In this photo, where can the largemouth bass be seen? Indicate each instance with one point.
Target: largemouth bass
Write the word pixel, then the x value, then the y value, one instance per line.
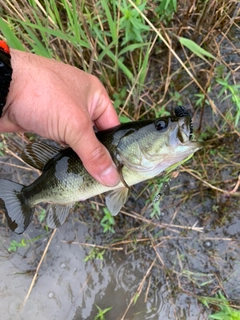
pixel 141 150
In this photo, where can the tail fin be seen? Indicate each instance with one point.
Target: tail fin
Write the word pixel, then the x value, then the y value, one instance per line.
pixel 18 212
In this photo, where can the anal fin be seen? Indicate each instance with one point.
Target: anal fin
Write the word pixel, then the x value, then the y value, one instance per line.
pixel 56 215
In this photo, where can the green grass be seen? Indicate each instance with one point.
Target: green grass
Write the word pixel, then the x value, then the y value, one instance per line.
pixel 101 313
pixel 226 312
pixel 94 254
pixel 230 91
pixel 107 221
pixel 15 245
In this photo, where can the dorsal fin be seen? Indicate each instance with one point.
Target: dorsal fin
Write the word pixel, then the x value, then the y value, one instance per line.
pixel 38 154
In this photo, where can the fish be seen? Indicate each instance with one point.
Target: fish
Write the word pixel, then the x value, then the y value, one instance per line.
pixel 140 150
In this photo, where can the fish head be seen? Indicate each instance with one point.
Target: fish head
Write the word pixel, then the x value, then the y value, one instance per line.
pixel 158 145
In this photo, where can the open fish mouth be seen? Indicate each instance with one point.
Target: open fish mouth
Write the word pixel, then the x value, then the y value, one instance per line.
pixel 184 132
pixel 187 128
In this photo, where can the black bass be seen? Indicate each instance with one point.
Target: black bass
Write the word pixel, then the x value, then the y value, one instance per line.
pixel 141 150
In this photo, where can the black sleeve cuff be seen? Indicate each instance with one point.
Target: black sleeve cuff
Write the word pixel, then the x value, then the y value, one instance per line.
pixel 5 73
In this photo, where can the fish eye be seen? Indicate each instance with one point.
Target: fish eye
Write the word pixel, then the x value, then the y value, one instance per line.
pixel 161 125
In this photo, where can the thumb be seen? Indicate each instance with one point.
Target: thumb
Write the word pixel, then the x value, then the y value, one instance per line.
pixel 95 157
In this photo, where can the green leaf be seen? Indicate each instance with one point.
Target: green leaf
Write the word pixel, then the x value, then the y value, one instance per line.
pixel 55 32
pixel 12 40
pixel 132 47
pixel 42 215
pixel 135 298
pixel 111 22
pixel 111 55
pixel 35 43
pixel 124 119
pixel 217 316
pixel 196 49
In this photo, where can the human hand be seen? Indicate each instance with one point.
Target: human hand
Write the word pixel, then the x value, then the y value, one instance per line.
pixel 61 102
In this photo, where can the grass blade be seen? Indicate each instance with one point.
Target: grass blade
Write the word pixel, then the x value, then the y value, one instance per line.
pixel 195 48
pixel 12 40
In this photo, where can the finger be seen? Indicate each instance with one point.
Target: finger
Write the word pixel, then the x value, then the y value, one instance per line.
pixel 8 126
pixel 95 157
pixel 108 118
pixel 100 107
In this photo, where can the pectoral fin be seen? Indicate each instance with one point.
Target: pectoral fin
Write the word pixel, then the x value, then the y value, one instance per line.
pixel 116 199
pixel 56 215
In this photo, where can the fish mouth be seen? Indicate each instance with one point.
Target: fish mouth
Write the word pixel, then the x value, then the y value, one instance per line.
pixel 184 132
pixel 180 130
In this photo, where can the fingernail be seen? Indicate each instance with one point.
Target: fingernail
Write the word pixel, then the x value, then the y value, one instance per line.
pixel 110 177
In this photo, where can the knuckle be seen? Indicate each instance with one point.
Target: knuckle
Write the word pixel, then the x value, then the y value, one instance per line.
pixel 95 79
pixel 99 158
